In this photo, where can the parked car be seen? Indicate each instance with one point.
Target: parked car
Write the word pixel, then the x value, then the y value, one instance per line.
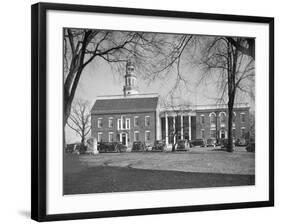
pixel 182 145
pixel 138 146
pixel 225 145
pixel 240 142
pixel 251 146
pixel 211 142
pixel 119 147
pixel 111 147
pixel 79 149
pixel 197 142
pixel 159 145
pixel 70 148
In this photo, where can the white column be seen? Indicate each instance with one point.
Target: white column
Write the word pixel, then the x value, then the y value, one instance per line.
pixel 181 127
pixel 166 129
pixel 174 128
pixel 189 127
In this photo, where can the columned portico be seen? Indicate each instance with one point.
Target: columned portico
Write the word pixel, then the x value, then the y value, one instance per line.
pixel 174 128
pixel 181 127
pixel 189 128
pixel 166 129
pixel 180 122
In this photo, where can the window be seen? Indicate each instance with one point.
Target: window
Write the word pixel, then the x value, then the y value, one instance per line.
pixel 147 135
pixel 127 123
pixel 202 133
pixel 136 121
pixel 110 136
pixel 136 136
pixel 222 117
pixel 202 119
pixel 147 120
pixel 118 124
pixel 123 122
pixel 99 136
pixel 242 117
pixel 233 119
pixel 213 118
pixel 99 122
pixel 242 132
pixel 110 122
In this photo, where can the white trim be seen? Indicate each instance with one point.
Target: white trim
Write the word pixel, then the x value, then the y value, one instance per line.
pixel 135 136
pixel 222 112
pixel 126 138
pixel 145 137
pixel 202 116
pixel 100 138
pixel 135 121
pixel 109 133
pixel 110 118
pixel 128 125
pixel 213 113
pixel 100 124
pixel 119 124
pixel 145 121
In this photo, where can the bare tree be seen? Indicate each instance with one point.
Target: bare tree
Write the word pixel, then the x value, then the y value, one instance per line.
pixel 228 60
pixel 83 46
pixel 80 119
pixel 233 70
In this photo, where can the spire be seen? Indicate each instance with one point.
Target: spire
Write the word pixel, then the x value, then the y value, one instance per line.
pixel 130 86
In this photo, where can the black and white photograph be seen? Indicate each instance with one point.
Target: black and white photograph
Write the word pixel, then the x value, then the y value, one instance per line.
pixel 151 111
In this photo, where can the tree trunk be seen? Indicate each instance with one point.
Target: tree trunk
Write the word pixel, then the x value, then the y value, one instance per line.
pixel 230 134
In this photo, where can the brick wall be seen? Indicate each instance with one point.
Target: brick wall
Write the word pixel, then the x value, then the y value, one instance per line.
pixel 141 127
pixel 206 126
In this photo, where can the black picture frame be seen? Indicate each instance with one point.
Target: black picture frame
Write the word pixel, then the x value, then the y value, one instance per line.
pixel 39 108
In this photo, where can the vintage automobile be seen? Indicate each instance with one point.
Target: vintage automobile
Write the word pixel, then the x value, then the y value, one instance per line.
pixel 251 146
pixel 79 148
pixel 182 145
pixel 240 142
pixel 159 145
pixel 70 148
pixel 211 142
pixel 138 146
pixel 111 147
pixel 224 144
pixel 197 143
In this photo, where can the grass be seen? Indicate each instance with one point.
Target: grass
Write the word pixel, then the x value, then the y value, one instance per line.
pixel 122 179
pixel 156 171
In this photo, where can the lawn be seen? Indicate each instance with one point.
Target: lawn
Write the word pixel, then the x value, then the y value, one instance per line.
pixel 121 172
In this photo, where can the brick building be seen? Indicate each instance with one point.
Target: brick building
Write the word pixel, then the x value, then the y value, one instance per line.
pixel 138 117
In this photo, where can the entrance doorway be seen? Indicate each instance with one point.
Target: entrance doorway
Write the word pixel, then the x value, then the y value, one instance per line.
pixel 124 139
pixel 223 134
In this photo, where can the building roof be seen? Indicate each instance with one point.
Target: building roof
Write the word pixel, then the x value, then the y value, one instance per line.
pixel 125 105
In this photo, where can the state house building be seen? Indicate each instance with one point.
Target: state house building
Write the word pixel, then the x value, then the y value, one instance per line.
pixel 138 117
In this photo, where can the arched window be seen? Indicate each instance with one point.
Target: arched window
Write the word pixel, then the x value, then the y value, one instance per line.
pixel 212 118
pixel 233 119
pixel 222 117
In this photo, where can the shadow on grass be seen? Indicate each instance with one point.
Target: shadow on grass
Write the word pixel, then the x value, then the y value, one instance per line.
pixel 103 179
